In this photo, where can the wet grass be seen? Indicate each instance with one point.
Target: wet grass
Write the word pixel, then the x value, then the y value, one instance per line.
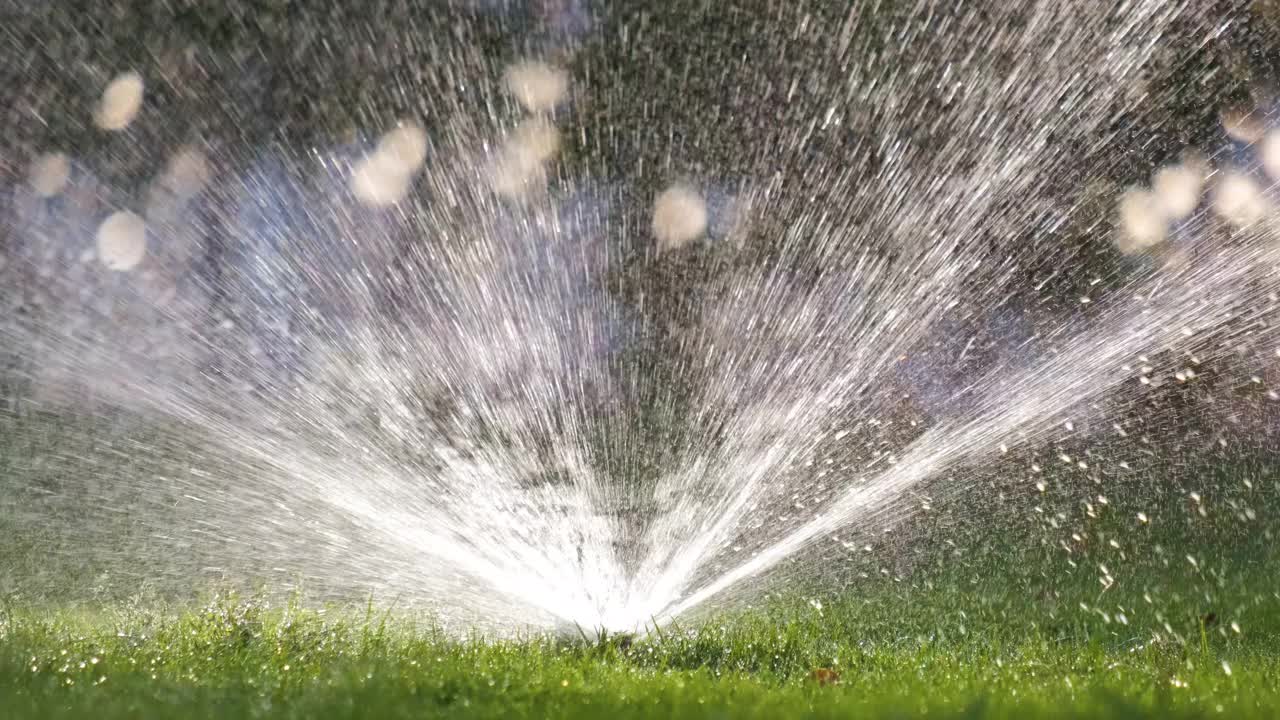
pixel 957 649
pixel 1048 609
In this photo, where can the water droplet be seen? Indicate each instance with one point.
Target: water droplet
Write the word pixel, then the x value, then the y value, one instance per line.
pixel 49 174
pixel 120 102
pixel 1238 199
pixel 1176 190
pixel 679 216
pixel 538 86
pixel 122 241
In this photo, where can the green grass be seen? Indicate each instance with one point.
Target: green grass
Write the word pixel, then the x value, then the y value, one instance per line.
pixel 964 650
pixel 1183 622
pixel 997 612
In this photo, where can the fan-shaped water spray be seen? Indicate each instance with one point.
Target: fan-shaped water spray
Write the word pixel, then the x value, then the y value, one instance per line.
pixel 541 342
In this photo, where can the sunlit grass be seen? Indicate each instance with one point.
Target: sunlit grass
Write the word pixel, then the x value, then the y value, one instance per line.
pixel 953 650
pixel 986 613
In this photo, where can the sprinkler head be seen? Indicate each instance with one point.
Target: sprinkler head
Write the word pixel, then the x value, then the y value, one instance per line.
pixel 574 634
pixel 621 640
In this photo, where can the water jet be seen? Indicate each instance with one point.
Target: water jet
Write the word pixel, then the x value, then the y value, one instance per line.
pixel 499 334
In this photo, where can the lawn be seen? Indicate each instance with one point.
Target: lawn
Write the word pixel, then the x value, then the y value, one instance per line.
pixel 959 647
pixel 1151 606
